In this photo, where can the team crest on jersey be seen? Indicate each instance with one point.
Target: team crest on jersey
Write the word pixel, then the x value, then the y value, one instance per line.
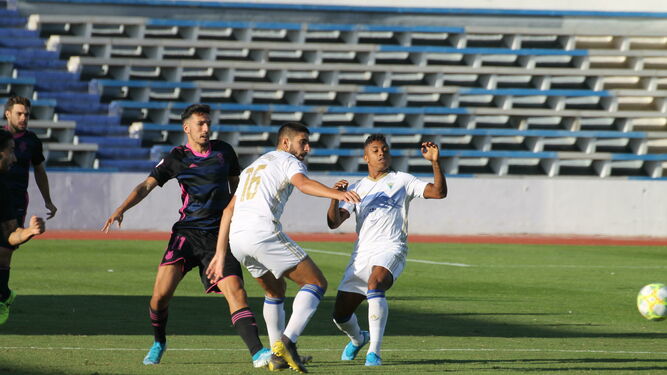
pixel 390 184
pixel 23 147
pixel 221 158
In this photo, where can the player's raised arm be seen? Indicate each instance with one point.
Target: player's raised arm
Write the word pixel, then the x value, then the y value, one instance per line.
pixel 215 268
pixel 314 188
pixel 336 215
pixel 437 189
pixel 136 195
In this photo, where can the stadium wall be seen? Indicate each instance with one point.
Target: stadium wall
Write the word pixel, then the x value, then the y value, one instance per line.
pixel 493 206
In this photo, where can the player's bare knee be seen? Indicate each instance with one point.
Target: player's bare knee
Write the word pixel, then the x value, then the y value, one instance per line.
pixel 159 303
pixel 236 296
pixel 379 283
pixel 320 281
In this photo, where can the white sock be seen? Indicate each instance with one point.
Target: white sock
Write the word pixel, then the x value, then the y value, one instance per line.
pixel 274 316
pixel 351 329
pixel 378 311
pixel 303 308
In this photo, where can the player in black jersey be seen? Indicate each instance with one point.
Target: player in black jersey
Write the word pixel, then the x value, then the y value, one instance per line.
pixel 11 235
pixel 27 151
pixel 208 174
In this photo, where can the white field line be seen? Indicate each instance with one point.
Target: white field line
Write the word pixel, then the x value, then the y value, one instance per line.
pixel 519 350
pixel 409 259
pixel 567 266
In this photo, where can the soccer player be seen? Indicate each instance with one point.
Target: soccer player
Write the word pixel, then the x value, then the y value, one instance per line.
pixel 207 171
pixel 28 150
pixel 251 224
pixel 11 234
pixel 381 248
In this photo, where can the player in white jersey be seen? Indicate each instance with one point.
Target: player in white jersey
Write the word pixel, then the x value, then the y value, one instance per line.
pixel 251 224
pixel 381 248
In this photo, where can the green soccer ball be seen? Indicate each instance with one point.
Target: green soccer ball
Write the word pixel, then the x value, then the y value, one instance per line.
pixel 652 301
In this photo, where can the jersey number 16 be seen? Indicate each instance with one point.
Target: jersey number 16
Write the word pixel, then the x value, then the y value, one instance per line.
pixel 251 184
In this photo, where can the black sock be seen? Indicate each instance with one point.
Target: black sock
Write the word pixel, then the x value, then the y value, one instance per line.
pixel 159 322
pixel 246 326
pixel 4 283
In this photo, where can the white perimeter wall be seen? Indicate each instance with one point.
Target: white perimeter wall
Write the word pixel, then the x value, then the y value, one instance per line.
pixel 580 5
pixel 612 207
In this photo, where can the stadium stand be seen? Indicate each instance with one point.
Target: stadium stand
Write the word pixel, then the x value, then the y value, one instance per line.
pixel 27 69
pixel 500 100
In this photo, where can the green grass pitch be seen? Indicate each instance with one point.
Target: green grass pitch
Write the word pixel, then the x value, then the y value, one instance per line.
pixel 82 309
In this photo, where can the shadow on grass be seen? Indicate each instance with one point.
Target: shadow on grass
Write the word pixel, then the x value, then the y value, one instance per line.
pixel 209 315
pixel 547 364
pixel 23 370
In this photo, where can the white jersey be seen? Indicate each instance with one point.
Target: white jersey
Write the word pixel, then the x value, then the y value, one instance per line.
pixel 382 215
pixel 263 190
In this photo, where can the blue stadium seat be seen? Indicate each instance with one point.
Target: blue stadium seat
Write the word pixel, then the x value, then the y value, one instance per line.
pixel 55 80
pixel 96 125
pixel 112 142
pixel 16 86
pixel 123 153
pixel 32 58
pixel 128 165
pixel 71 102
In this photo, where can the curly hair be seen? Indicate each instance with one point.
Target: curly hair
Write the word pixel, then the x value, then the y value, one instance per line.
pixel 375 138
pixel 13 100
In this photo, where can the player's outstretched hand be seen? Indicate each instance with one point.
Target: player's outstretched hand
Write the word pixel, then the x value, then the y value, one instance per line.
pixel 37 226
pixel 430 151
pixel 214 269
pixel 349 197
pixel 341 185
pixel 52 210
pixel 114 217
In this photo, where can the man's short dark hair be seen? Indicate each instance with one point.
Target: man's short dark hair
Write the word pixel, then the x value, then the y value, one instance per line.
pixel 375 138
pixel 13 100
pixel 195 108
pixel 290 129
pixel 5 137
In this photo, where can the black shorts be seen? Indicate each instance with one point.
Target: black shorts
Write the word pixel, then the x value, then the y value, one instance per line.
pixel 196 248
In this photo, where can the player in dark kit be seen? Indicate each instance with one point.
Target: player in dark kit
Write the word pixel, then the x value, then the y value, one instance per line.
pixel 11 235
pixel 208 174
pixel 27 151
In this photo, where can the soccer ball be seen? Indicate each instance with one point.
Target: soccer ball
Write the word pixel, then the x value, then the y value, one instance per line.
pixel 652 301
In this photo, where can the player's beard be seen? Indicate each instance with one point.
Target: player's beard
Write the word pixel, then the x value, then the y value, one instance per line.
pixel 18 127
pixel 301 156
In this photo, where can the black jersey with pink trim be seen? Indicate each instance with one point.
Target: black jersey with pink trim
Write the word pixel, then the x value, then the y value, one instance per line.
pixel 204 182
pixel 28 151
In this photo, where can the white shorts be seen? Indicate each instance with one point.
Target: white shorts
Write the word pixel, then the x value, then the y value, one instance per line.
pixel 358 271
pixel 263 252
